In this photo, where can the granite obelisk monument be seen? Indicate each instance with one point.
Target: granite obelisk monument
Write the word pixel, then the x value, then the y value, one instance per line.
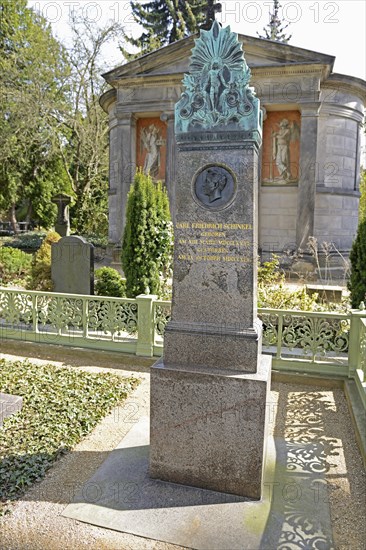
pixel 209 391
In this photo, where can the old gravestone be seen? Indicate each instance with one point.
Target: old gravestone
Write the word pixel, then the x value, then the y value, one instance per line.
pixel 72 266
pixel 62 226
pixel 209 392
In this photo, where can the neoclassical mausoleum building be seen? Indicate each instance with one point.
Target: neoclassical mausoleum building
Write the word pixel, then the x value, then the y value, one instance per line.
pixel 310 157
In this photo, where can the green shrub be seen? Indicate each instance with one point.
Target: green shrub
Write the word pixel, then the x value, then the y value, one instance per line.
pixel 357 281
pixel 31 241
pixel 41 266
pixel 148 238
pixel 274 294
pixel 108 282
pixel 14 264
pixel 270 273
pixel 99 241
pixel 282 297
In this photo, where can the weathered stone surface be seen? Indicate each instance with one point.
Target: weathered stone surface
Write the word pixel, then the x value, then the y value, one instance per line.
pixel 208 429
pixel 215 249
pixel 215 346
pixel 325 293
pixel 72 266
pixel 9 404
pixel 208 395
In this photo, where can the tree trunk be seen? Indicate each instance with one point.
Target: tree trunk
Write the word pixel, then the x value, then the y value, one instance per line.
pixel 28 216
pixel 13 219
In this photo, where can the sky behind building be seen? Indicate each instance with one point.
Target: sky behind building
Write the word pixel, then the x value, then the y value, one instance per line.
pixel 335 28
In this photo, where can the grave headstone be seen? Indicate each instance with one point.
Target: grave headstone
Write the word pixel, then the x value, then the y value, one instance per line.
pixel 72 266
pixel 209 392
pixel 9 404
pixel 62 225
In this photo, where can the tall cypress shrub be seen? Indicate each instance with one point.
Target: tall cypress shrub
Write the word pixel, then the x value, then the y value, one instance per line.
pixel 357 282
pixel 147 238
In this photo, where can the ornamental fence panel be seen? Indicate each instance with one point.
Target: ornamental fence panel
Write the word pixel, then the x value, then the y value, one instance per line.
pixel 69 319
pixel 310 341
pixel 360 371
pixel 320 343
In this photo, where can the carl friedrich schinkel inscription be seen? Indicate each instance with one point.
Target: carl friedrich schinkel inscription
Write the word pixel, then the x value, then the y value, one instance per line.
pixel 213 242
pixel 214 187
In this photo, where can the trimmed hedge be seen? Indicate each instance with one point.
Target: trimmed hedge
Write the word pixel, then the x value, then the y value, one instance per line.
pixel 108 282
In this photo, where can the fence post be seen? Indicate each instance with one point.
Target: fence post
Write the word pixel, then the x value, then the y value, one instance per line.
pixel 85 317
pixel 145 325
pixel 354 343
pixel 35 313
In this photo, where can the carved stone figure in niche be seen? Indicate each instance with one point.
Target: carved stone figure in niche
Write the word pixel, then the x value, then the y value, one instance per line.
pixel 214 183
pixel 281 140
pixel 151 141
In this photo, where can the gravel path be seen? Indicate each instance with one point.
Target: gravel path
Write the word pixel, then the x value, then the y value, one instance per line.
pixel 35 522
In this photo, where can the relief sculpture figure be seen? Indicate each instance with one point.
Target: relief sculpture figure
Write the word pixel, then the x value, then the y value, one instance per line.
pixel 215 81
pixel 281 140
pixel 215 182
pixel 150 142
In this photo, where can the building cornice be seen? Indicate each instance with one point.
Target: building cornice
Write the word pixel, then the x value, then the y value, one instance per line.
pixel 348 84
pixel 337 109
pixel 107 99
pixel 270 51
pixel 154 80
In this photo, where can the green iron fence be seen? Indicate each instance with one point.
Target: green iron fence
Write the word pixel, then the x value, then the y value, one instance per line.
pixel 312 342
pixel 358 365
pixel 324 343
pixel 69 319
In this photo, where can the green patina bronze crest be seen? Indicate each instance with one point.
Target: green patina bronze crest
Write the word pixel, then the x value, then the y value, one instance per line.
pixel 216 95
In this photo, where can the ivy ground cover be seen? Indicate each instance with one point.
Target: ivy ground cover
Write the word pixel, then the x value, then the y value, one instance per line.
pixel 60 406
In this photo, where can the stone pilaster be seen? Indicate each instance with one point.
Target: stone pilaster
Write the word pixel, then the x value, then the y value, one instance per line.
pixel 307 179
pixel 170 171
pixel 122 169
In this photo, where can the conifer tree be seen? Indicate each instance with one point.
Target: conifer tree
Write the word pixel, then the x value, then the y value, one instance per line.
pixel 147 238
pixel 357 281
pixel 275 28
pixel 164 21
pixel 362 204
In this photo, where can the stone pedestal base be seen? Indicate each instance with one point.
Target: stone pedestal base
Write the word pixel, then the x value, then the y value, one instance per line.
pixel 208 428
pixel 216 347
